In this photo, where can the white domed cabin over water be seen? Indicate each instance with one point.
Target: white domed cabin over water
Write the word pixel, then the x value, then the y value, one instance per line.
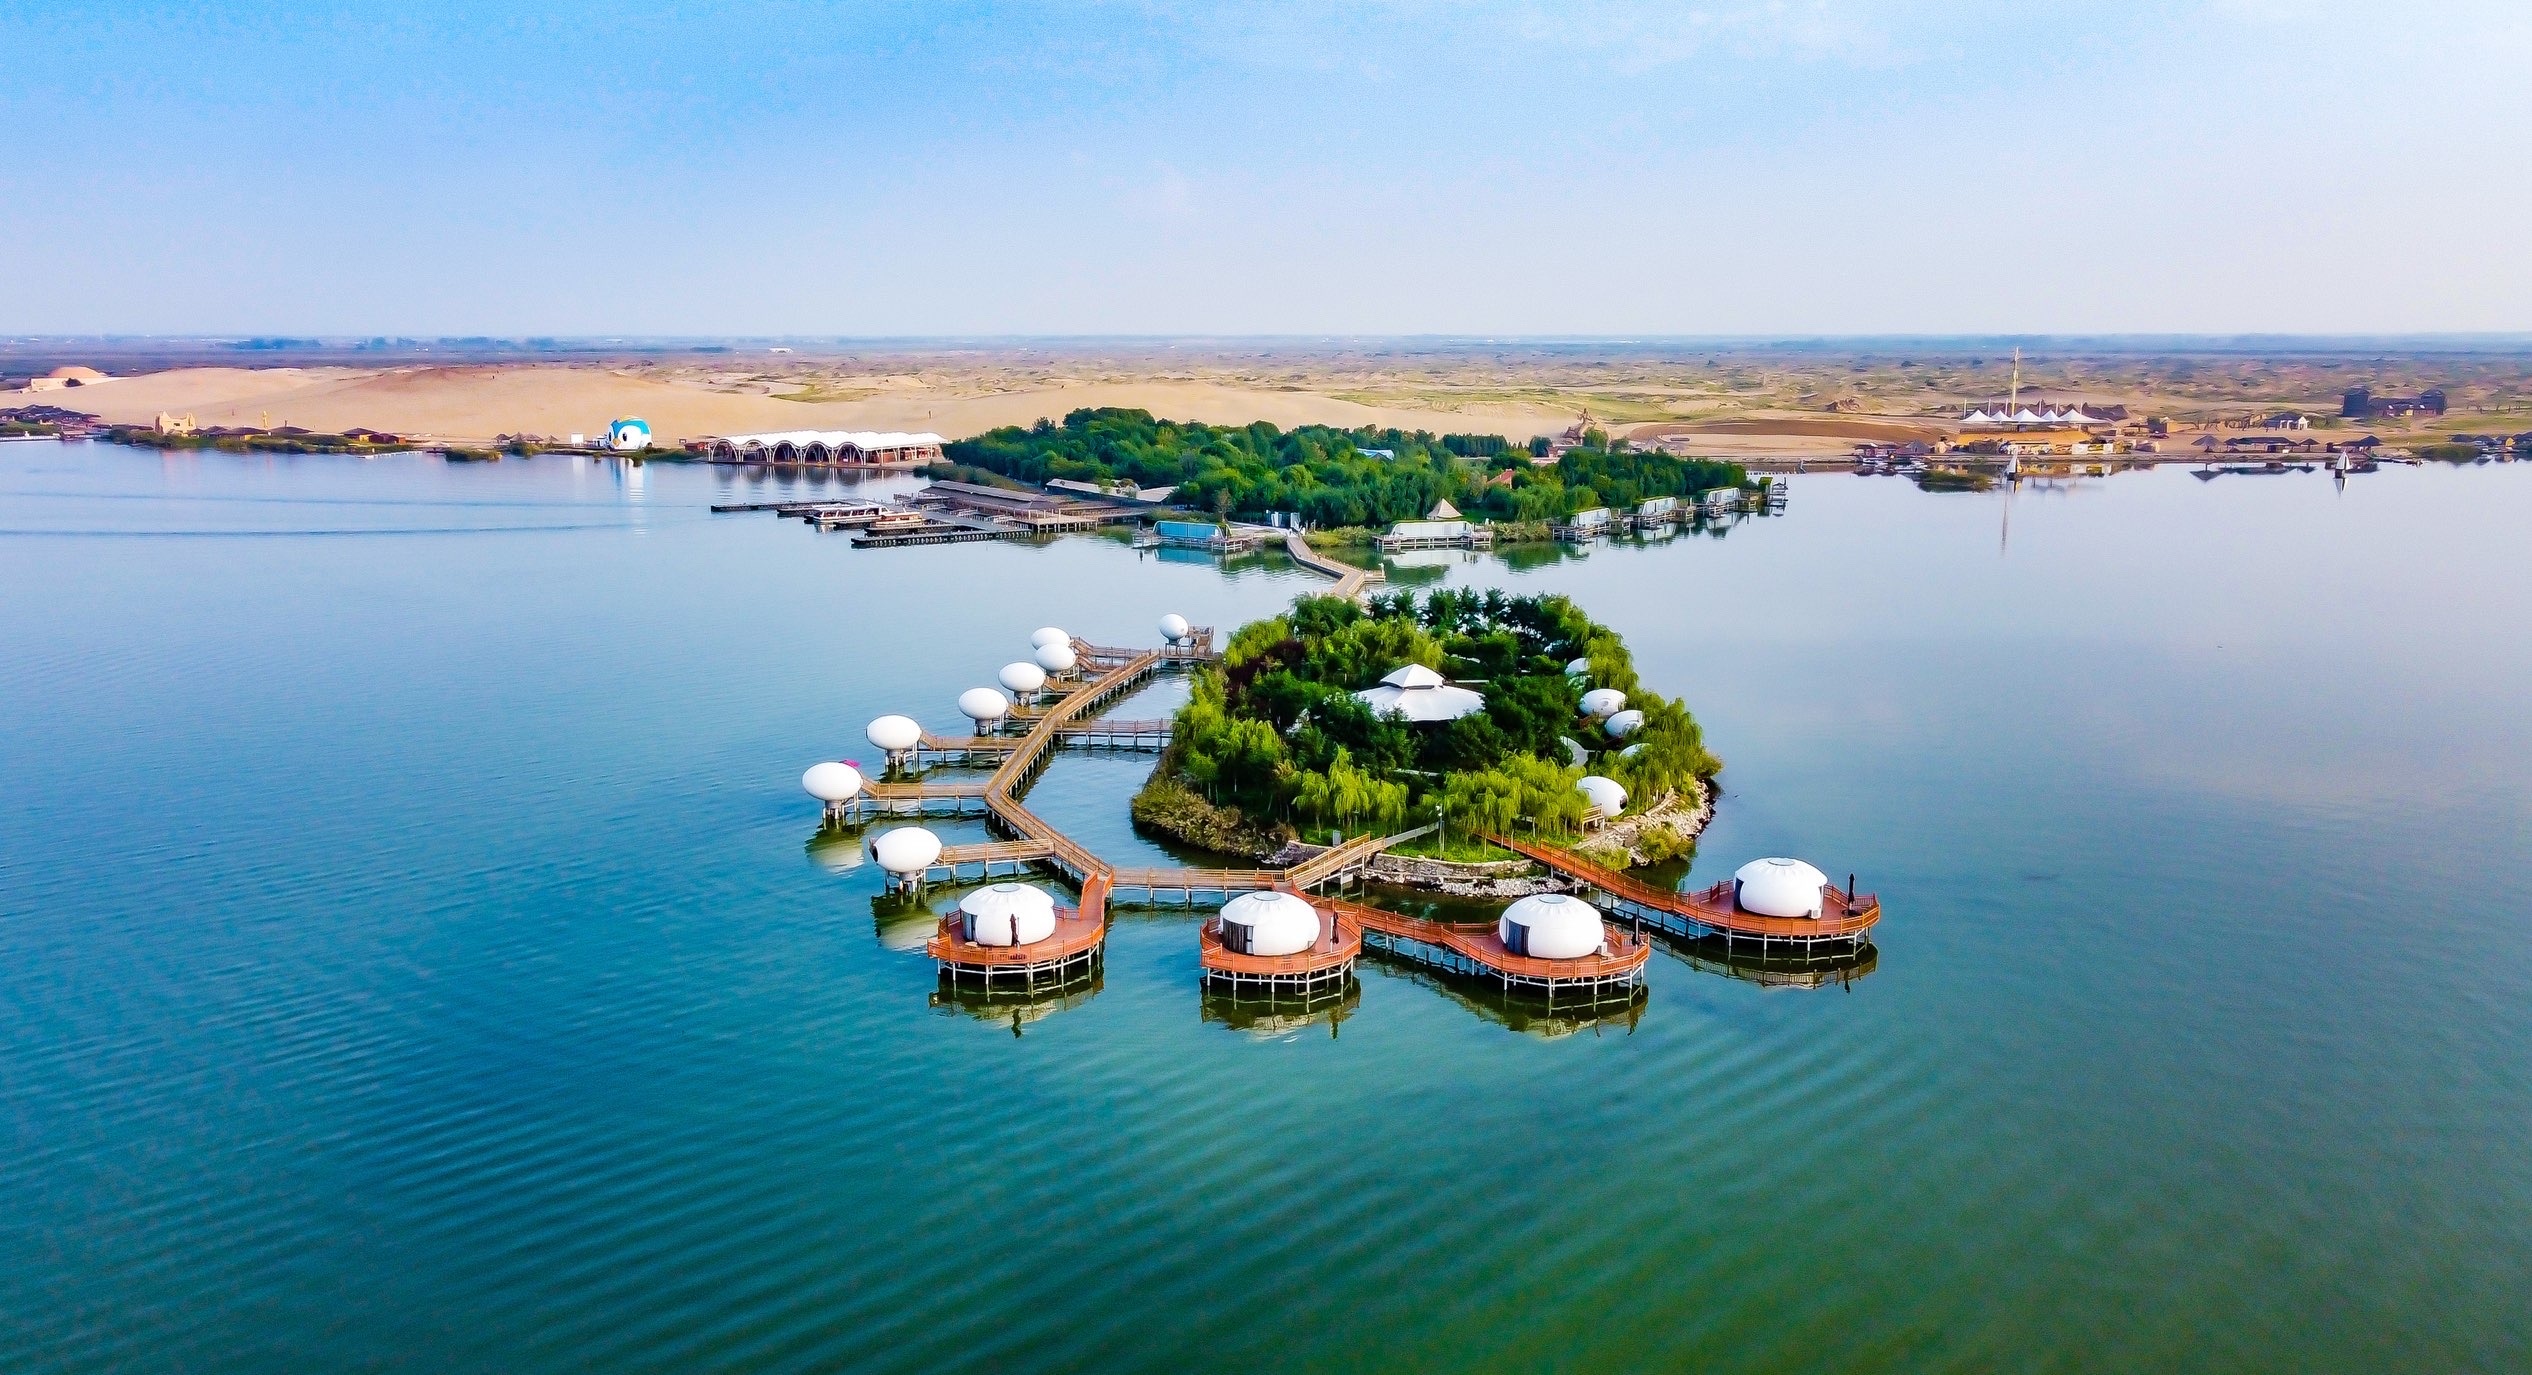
pixel 836 448
pixel 1276 942
pixel 1275 935
pixel 1014 935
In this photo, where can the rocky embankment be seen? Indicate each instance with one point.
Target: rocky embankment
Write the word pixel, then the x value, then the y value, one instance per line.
pixel 1664 831
pixel 1169 809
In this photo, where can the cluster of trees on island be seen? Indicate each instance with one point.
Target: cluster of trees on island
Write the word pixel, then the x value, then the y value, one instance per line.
pixel 1274 729
pixel 1332 477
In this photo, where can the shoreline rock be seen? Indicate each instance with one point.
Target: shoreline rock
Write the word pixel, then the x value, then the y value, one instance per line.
pixel 1634 840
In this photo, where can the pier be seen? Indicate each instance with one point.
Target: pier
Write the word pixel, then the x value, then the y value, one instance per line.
pixel 1843 927
pixel 1347 926
pixel 1350 580
pixel 1606 966
pixel 1477 951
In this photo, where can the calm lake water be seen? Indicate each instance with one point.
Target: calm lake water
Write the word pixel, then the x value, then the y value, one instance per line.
pixel 412 956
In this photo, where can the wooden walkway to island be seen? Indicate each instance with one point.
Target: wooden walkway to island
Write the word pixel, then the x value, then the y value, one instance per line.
pixel 1348 926
pixel 1843 927
pixel 1350 580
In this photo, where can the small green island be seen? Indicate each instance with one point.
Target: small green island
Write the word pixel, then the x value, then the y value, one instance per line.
pixel 1341 484
pixel 1480 712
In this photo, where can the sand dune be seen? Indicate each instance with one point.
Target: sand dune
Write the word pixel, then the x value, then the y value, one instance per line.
pixel 478 402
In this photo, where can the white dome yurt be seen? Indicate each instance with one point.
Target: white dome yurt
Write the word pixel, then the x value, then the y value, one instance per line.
pixel 1271 923
pixel 1608 794
pixel 1056 658
pixel 1174 627
pixel 1624 724
pixel 906 850
pixel 1779 888
pixel 1579 668
pixel 984 705
pixel 1022 678
pixel 1603 702
pixel 895 734
pixel 1048 635
pixel 833 781
pixel 1007 914
pixel 1551 926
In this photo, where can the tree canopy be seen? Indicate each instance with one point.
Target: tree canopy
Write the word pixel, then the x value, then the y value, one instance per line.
pixel 1275 728
pixel 1333 477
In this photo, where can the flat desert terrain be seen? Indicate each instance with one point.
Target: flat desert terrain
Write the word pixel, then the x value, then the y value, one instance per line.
pixel 1731 400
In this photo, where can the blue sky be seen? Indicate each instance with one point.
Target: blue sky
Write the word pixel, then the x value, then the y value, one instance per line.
pixel 1418 166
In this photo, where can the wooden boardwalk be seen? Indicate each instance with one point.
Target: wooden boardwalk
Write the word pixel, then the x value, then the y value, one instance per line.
pixel 954 796
pixel 1475 951
pixel 1348 929
pixel 1350 580
pixel 1844 925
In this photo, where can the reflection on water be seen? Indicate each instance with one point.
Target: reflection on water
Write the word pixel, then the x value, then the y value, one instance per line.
pixel 1264 1014
pixel 1597 1011
pixel 837 849
pixel 2178 1061
pixel 1016 1008
pixel 1707 956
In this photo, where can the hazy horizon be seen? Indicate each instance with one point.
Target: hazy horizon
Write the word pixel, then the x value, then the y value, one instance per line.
pixel 1412 169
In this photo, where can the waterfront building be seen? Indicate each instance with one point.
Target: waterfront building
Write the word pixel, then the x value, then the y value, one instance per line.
pixel 628 434
pixel 845 448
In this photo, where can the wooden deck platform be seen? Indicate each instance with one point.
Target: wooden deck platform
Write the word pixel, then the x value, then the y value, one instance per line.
pixel 1077 946
pixel 1845 923
pixel 954 796
pixel 1477 952
pixel 1327 964
pixel 1350 580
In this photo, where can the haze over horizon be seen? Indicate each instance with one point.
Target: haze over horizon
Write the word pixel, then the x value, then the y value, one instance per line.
pixel 1394 169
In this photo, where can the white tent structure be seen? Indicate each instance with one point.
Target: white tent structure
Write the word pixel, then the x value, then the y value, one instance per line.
pixel 1269 923
pixel 1608 794
pixel 1006 914
pixel 1779 888
pixel 1551 926
pixel 906 850
pixel 1419 694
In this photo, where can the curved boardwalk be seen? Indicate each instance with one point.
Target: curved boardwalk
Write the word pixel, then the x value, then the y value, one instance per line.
pixel 1350 580
pixel 1077 945
pixel 1844 924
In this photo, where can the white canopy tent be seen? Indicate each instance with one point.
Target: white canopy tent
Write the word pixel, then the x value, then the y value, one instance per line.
pixel 1419 694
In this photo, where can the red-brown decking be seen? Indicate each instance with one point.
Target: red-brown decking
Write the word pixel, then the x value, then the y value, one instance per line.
pixel 1845 919
pixel 1074 948
pixel 1479 951
pixel 1330 961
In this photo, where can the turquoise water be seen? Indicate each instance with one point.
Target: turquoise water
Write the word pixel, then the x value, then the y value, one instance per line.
pixel 412 956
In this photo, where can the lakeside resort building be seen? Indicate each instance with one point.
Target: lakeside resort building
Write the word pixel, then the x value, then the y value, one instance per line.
pixel 839 448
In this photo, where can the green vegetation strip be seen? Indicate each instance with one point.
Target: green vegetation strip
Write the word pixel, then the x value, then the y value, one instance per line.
pixel 1336 478
pixel 1273 745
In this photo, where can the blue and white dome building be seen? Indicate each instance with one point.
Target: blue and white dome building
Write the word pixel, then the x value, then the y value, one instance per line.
pixel 629 434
